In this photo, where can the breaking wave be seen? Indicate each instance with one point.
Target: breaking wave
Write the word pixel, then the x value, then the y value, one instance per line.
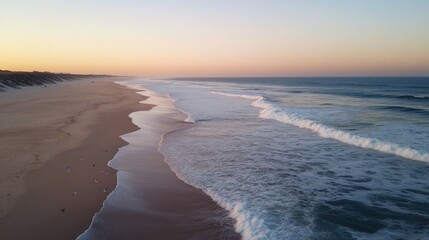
pixel 271 111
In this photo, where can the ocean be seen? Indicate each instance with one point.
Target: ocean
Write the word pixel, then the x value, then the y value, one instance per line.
pixel 306 158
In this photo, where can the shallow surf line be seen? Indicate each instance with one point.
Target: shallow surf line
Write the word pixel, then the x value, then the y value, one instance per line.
pixel 271 111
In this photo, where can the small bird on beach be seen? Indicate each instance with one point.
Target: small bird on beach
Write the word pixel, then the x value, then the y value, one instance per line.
pixel 105 189
pixel 95 180
pixel 68 169
pixel 75 192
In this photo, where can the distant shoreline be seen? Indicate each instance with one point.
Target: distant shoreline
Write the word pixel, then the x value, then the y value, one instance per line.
pixel 16 80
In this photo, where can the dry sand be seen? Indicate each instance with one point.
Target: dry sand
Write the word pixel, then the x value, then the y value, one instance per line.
pixel 65 128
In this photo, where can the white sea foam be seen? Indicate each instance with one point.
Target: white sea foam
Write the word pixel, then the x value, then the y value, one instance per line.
pixel 247 225
pixel 422 97
pixel 271 111
pixel 189 118
pixel 238 95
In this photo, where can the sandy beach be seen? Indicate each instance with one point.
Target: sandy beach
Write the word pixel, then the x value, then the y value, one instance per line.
pixel 55 144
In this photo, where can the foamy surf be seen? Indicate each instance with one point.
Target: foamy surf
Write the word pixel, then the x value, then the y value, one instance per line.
pixel 189 118
pixel 246 224
pixel 271 111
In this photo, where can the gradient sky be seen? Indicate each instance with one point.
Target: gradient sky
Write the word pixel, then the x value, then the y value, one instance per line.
pixel 216 38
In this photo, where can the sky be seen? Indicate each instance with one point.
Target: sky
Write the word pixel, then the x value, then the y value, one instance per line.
pixel 217 38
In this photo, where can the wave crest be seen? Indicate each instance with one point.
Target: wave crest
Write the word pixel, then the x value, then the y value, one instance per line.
pixel 271 111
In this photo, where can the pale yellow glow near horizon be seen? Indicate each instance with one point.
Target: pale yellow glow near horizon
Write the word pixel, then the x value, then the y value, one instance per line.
pixel 214 39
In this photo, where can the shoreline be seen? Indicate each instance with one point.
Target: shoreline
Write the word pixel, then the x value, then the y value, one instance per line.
pixel 59 194
pixel 150 200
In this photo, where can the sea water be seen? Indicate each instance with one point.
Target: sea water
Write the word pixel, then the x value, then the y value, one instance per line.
pixel 306 158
